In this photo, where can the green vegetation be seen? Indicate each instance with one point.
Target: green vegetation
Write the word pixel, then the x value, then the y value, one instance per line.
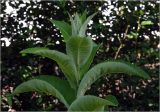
pixel 75 65
pixel 120 32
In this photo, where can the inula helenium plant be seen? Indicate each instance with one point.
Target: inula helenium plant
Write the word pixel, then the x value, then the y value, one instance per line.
pixel 75 64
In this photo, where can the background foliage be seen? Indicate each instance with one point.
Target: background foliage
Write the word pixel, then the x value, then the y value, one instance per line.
pixel 127 31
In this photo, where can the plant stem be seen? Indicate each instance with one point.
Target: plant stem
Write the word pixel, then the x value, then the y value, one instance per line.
pixel 121 44
pixel 119 48
pixel 138 29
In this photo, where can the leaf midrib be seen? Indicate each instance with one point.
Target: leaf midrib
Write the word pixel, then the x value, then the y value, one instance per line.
pixel 78 62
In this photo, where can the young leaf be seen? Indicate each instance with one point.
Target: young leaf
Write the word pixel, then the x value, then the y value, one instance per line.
pixel 83 16
pixel 84 26
pixel 64 61
pixel 73 26
pixel 78 22
pixel 89 103
pixel 109 67
pixel 64 28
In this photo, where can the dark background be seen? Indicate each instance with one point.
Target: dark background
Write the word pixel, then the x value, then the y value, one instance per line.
pixel 140 46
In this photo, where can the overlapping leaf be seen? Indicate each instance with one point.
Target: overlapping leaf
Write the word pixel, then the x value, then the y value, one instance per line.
pixel 62 59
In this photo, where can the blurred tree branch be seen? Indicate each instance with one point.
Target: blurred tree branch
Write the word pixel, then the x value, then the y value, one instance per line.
pixel 121 43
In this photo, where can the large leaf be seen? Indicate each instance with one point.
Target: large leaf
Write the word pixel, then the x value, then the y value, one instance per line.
pixel 64 28
pixel 62 59
pixel 107 68
pixel 84 25
pixel 86 65
pixel 79 49
pixel 40 86
pixel 61 85
pixel 89 103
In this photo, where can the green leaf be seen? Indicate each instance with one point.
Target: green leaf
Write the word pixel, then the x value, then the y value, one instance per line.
pixel 141 12
pixel 61 85
pixel 83 16
pixel 84 68
pixel 79 49
pixel 107 68
pixel 89 103
pixel 77 21
pixel 64 61
pixel 9 99
pixel 39 86
pixel 62 3
pixel 64 28
pixel 73 26
pixel 84 26
pixel 143 23
pixel 112 99
pixel 132 35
